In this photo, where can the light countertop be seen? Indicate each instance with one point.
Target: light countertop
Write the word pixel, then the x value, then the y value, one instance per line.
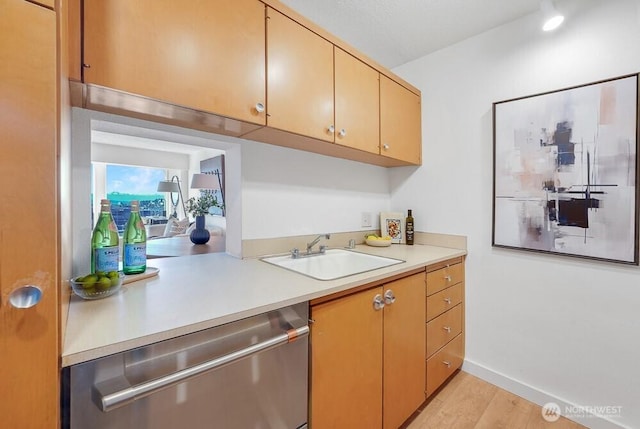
pixel 196 292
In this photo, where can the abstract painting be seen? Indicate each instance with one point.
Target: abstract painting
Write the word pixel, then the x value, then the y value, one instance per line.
pixel 565 171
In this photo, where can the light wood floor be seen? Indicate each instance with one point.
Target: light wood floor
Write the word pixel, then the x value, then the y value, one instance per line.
pixel 468 402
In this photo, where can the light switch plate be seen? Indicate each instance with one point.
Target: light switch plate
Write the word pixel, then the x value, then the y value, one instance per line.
pixel 365 221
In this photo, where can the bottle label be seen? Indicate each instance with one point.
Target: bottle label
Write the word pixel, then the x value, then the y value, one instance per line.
pixel 135 254
pixel 106 258
pixel 409 232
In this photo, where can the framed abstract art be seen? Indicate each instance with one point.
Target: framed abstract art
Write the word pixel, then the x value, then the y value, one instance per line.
pixel 566 171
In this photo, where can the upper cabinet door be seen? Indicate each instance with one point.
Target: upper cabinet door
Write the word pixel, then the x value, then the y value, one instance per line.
pixel 357 103
pixel 299 78
pixel 47 3
pixel 400 122
pixel 207 55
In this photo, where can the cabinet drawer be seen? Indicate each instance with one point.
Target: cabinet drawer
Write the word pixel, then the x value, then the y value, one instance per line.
pixel 443 278
pixel 443 328
pixel 444 300
pixel 442 364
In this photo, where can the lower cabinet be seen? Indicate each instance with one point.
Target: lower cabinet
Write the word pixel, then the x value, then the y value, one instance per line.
pixel 367 356
pixel 445 322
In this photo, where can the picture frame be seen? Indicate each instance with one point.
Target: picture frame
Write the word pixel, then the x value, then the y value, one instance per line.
pixel 216 166
pixel 565 171
pixel 392 224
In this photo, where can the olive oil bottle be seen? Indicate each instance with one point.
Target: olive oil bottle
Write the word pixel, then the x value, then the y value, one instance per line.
pixel 105 245
pixel 408 228
pixel 135 243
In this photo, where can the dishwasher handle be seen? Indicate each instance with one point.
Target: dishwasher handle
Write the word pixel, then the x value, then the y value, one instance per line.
pixel 110 401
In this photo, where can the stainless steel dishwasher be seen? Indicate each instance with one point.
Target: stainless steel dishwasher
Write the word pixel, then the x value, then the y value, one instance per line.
pixel 249 374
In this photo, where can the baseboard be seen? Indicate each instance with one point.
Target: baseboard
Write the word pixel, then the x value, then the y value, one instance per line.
pixel 538 396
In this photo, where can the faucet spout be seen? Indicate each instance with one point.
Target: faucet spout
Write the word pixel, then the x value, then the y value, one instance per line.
pixel 316 240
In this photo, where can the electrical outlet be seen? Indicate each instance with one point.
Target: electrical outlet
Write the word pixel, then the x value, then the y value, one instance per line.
pixel 365 220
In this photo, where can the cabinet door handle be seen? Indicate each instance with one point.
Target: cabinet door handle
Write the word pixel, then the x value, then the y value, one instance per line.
pixel 447 278
pixel 25 296
pixel 385 146
pixel 447 363
pixel 389 297
pixel 447 328
pixel 259 107
pixel 342 132
pixel 331 129
pixel 378 302
pixel 447 300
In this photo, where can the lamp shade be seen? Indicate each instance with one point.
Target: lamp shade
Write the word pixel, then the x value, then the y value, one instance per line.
pixel 168 186
pixel 205 181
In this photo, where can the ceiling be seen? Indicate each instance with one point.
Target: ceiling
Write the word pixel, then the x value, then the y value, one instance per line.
pixel 396 32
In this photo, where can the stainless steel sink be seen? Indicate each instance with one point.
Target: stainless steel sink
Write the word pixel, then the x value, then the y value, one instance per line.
pixel 333 264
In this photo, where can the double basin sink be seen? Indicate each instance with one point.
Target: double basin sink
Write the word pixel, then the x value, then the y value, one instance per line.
pixel 332 264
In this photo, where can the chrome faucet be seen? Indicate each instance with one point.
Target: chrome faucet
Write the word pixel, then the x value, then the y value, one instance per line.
pixel 314 242
pixel 295 253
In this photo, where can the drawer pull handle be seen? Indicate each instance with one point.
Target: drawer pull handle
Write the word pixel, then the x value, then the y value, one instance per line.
pixel 447 363
pixel 447 300
pixel 447 278
pixel 108 400
pixel 447 328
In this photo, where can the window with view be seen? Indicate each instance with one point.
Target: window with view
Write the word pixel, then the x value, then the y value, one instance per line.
pixel 126 183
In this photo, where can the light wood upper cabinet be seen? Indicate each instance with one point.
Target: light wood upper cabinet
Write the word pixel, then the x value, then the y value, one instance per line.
pixel 400 122
pixel 206 55
pixel 47 3
pixel 29 225
pixel 346 363
pixel 357 103
pixel 368 364
pixel 299 78
pixel 234 67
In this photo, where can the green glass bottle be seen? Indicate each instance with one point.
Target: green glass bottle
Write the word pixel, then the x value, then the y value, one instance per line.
pixel 105 250
pixel 135 243
pixel 409 228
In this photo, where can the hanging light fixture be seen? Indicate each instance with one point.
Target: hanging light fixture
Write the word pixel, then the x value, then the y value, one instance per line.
pixel 552 18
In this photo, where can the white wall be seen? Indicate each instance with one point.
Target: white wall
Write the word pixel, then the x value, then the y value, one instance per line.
pixel 543 326
pixel 288 192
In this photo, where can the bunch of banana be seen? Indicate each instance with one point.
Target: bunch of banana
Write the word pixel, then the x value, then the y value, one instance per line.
pixel 376 237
